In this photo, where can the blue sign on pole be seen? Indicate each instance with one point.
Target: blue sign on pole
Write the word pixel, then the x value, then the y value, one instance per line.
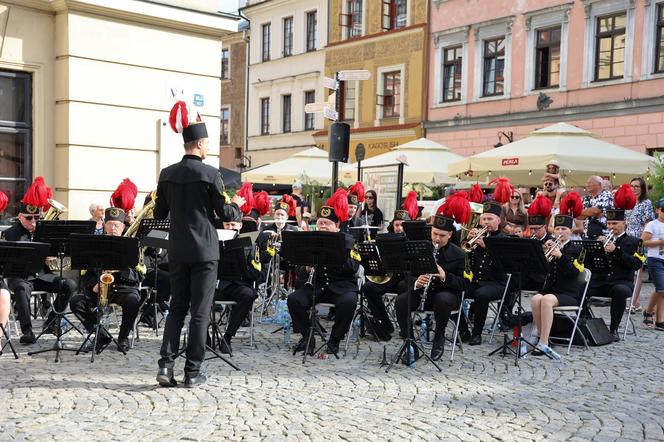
pixel 199 100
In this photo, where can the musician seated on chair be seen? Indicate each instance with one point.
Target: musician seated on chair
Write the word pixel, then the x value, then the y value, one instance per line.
pixel 123 291
pixel 624 260
pixel 443 289
pixel 562 287
pixel 271 233
pixel 374 292
pixel 45 280
pixel 537 225
pixel 241 291
pixel 333 285
pixel 488 280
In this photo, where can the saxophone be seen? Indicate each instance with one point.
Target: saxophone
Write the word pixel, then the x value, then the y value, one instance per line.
pixel 105 281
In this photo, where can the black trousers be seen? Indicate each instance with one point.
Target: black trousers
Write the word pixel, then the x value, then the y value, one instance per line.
pixel 482 293
pixel 22 290
pixel 618 292
pixel 244 297
pixel 345 303
pixel 374 293
pixel 441 303
pixel 192 289
pixel 84 306
pixel 163 284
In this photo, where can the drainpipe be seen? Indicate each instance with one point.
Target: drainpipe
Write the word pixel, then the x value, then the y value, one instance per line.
pixel 246 38
pixel 425 73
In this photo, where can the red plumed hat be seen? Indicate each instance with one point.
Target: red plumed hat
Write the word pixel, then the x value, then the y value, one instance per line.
pixel 357 189
pixel 457 207
pixel 624 198
pixel 4 202
pixel 184 121
pixel 247 193
pixel 339 202
pixel 125 195
pixel 503 190
pixel 38 194
pixel 261 202
pixel 571 205
pixel 540 206
pixel 476 194
pixel 410 205
pixel 287 204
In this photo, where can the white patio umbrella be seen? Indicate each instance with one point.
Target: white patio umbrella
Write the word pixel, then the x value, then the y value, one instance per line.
pixel 307 166
pixel 426 161
pixel 577 152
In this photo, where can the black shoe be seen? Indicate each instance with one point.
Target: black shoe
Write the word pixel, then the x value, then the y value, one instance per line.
pixel 191 382
pixel 332 346
pixel 302 343
pixel 475 340
pixel 438 347
pixel 28 337
pixel 123 345
pixel 464 335
pixel 225 346
pixel 616 335
pixel 165 377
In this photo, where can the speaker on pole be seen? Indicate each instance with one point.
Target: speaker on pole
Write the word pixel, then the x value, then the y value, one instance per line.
pixel 339 142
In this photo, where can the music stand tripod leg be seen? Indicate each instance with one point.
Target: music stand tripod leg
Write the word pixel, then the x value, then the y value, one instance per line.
pixel 8 341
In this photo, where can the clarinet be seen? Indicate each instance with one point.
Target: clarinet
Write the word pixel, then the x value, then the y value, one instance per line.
pixel 310 280
pixel 426 287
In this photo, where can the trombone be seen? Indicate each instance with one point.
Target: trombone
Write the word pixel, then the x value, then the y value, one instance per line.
pixel 470 245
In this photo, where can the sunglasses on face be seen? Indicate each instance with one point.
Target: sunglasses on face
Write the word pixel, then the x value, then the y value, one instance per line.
pixel 369 197
pixel 31 217
pixel 515 197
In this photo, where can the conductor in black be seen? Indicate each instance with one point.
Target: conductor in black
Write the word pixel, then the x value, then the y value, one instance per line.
pixel 190 193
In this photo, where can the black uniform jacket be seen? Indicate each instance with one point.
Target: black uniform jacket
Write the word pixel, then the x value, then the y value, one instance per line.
pixel 452 259
pixel 482 265
pixel 124 280
pixel 622 261
pixel 563 276
pixel 191 192
pixel 252 274
pixel 18 233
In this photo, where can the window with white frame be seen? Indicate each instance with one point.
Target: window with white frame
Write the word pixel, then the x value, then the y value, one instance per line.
pixel 309 118
pixel 452 73
pixel 609 41
pixel 225 62
pixel 659 40
pixel 224 137
pixel 351 19
pixel 311 31
pixel 652 61
pixel 395 14
pixel 547 58
pixel 451 65
pixel 288 37
pixel 348 91
pixel 391 97
pixel 266 36
pixel 493 55
pixel 286 113
pixel 265 116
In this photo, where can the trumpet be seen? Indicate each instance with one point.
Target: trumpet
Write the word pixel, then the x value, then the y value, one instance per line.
pixel 611 238
pixel 105 281
pixel 54 211
pixel 470 245
pixel 426 287
pixel 549 249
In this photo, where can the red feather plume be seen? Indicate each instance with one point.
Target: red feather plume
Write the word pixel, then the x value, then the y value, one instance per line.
pixel 339 202
pixel 410 205
pixel 38 194
pixel 457 207
pixel 247 193
pixel 624 198
pixel 125 195
pixel 540 206
pixel 357 189
pixel 476 194
pixel 292 204
pixel 571 205
pixel 4 202
pixel 503 190
pixel 179 117
pixel 261 202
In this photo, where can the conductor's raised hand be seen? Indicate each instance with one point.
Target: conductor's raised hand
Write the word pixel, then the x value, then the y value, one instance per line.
pixel 238 200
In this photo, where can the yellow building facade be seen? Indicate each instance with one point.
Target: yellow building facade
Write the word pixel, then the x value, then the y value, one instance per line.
pixel 86 87
pixel 387 38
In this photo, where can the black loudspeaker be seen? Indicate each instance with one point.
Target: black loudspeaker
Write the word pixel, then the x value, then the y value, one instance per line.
pixel 339 142
pixel 594 330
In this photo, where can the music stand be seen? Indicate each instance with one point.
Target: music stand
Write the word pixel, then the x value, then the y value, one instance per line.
pixel 20 259
pixel 513 255
pixel 101 252
pixel 417 230
pixel 327 249
pixel 149 232
pixel 57 234
pixel 595 258
pixel 408 258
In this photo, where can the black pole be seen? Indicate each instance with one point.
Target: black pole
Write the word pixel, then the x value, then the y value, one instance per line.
pixel 335 176
pixel 335 164
pixel 399 183
pixel 359 171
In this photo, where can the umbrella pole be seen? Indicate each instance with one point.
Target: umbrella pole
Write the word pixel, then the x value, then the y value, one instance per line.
pixel 399 183
pixel 335 175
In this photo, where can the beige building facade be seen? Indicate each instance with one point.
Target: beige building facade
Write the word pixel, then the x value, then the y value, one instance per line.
pixel 87 86
pixel 286 67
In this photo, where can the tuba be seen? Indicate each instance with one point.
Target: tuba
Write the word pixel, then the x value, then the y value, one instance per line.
pixel 476 210
pixel 105 281
pixel 54 211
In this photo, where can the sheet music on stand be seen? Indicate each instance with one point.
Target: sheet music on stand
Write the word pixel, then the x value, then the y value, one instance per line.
pixel 595 259
pixel 18 259
pixel 417 230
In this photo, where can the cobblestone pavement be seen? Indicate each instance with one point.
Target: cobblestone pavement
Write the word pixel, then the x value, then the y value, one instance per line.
pixel 608 393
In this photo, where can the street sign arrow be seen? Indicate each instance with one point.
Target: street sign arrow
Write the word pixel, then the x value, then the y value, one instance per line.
pixel 330 83
pixel 330 114
pixel 357 74
pixel 313 108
